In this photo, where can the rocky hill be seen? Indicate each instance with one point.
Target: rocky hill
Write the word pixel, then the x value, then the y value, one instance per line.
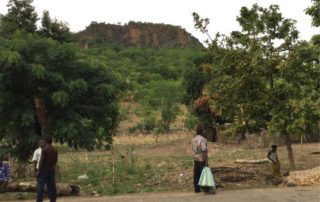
pixel 136 34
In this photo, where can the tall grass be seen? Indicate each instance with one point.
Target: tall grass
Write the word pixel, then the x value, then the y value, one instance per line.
pixel 147 139
pixel 133 173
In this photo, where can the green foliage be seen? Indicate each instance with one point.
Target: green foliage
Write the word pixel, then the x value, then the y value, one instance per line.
pixel 140 174
pixel 148 123
pixel 55 29
pixel 201 24
pixel 296 93
pixel 79 98
pixel 21 15
pixel 190 121
pixel 138 66
pixel 193 83
pixel 60 98
pixel 163 96
pixel 48 87
pixel 245 67
pixel 150 76
pixel 262 78
pixel 314 12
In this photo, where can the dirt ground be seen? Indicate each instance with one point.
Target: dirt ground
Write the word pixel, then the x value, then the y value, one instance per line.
pixel 292 194
pixel 230 175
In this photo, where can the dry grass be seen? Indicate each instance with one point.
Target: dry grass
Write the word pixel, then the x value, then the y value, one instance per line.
pixel 176 154
pixel 154 163
pixel 220 153
pixel 149 139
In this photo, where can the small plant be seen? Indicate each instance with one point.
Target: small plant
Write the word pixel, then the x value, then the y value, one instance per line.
pixel 190 121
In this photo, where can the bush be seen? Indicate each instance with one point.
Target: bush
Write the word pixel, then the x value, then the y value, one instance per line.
pixel 190 121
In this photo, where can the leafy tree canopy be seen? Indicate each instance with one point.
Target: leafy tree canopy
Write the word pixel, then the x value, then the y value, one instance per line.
pixel 47 87
pixel 55 29
pixel 314 12
pixel 47 83
pixel 21 15
pixel 260 77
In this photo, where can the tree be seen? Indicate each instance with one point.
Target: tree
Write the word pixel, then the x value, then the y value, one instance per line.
pixel 163 96
pixel 201 24
pixel 55 29
pixel 249 87
pixel 196 96
pixel 21 15
pixel 193 83
pixel 47 87
pixel 49 84
pixel 314 12
pixel 296 94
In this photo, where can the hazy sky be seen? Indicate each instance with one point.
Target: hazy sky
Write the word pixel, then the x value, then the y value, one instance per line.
pixel 222 13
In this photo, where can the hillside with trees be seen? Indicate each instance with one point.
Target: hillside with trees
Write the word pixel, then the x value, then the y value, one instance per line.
pixel 259 78
pixel 51 86
pixel 150 59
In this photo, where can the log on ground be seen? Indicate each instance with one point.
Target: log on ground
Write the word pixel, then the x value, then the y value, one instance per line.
pixel 249 161
pixel 63 189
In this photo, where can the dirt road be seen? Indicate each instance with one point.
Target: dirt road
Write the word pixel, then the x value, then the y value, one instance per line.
pixel 292 194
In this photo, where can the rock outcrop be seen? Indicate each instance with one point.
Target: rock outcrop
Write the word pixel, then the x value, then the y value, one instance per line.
pixel 136 34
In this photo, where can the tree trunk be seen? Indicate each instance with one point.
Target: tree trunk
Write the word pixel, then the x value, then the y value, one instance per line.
pixel 40 115
pixel 241 136
pixel 290 153
pixel 211 132
pixel 113 165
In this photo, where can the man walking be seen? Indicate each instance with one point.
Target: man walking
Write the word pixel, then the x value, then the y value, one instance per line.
pixel 46 172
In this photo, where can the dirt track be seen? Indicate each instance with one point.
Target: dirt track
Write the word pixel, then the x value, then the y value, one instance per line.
pixel 292 194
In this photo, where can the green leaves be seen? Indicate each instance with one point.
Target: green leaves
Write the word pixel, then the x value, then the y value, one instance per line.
pixel 250 75
pixel 162 96
pixel 262 78
pixel 27 119
pixel 314 12
pixel 21 15
pixel 11 58
pixel 37 71
pixel 105 90
pixel 78 86
pixel 55 29
pixel 68 97
pixel 193 83
pixel 60 98
pixel 297 92
pixel 48 87
pixel 68 130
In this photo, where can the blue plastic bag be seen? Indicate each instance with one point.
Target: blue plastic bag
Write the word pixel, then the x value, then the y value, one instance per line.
pixel 206 178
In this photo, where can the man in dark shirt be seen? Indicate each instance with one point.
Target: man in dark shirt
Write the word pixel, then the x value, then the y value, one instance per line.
pixel 46 172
